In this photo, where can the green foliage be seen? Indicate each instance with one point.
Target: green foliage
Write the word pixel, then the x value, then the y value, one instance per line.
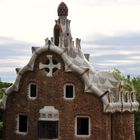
pixel 118 75
pixel 136 83
pixel 3 85
pixel 1 125
pixel 126 82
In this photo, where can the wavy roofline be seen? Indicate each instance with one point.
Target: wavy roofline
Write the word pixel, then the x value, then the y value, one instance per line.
pixel 89 87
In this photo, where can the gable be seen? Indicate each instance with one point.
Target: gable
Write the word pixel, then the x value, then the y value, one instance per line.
pixel 71 60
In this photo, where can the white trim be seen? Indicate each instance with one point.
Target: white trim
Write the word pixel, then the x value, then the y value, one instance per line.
pixel 89 126
pixel 69 84
pixel 29 90
pixel 17 126
pixel 49 113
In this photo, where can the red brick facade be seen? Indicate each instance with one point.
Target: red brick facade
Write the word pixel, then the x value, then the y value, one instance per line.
pixel 51 93
pixel 123 126
pixel 107 114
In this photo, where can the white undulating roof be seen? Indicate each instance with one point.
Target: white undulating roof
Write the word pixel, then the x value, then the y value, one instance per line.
pixel 102 84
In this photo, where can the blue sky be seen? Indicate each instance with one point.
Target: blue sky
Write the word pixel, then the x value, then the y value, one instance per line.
pixel 109 29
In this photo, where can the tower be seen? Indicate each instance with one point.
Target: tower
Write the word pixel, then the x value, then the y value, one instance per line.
pixel 62 32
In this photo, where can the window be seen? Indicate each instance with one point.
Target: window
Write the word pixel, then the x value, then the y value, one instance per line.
pixel 69 91
pixel 22 124
pixel 32 90
pixel 48 123
pixel 48 129
pixel 82 126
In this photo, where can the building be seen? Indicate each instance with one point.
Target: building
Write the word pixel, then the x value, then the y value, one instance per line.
pixel 58 95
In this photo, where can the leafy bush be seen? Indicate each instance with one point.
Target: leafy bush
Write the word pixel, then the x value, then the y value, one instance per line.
pixel 3 85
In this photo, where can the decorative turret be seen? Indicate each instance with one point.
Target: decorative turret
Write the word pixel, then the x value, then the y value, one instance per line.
pixel 62 32
pixel 62 9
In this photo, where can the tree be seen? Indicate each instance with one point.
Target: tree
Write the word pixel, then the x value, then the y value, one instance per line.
pixel 136 83
pixel 2 85
pixel 126 82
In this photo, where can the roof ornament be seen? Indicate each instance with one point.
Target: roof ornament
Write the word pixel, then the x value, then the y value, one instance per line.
pixel 48 42
pixel 62 9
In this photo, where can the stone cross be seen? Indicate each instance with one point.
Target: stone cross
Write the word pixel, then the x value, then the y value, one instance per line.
pixel 50 66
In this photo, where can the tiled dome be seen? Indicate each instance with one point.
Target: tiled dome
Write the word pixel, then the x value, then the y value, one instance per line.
pixel 62 9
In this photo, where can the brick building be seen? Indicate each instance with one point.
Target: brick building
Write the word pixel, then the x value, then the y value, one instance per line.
pixel 58 95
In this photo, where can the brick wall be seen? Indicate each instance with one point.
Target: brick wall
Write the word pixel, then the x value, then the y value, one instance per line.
pixel 123 126
pixel 50 93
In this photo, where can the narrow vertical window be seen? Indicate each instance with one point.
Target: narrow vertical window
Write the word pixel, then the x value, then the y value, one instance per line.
pixel 32 90
pixel 22 123
pixel 82 126
pixel 69 91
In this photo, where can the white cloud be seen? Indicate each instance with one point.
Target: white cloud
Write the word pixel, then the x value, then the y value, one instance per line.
pixel 6 69
pixel 134 69
pixel 117 63
pixel 121 62
pixel 135 58
pixel 110 51
pixel 129 1
pixel 21 61
pixel 33 21
pixel 107 64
